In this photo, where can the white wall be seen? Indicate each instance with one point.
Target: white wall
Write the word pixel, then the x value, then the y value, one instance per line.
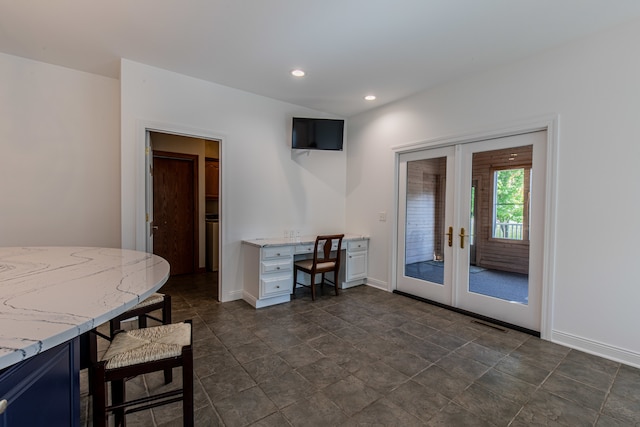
pixel 265 186
pixel 593 85
pixel 59 156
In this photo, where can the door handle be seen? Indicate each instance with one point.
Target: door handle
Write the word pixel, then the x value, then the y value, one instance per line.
pixel 462 236
pixel 450 234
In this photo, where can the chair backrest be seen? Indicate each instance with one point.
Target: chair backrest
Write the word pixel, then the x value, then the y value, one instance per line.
pixel 322 250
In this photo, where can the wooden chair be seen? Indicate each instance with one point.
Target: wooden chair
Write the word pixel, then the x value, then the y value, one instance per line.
pixel 324 261
pixel 138 352
pixel 143 311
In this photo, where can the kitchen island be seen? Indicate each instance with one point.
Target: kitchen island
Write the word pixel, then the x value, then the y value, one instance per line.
pixel 49 296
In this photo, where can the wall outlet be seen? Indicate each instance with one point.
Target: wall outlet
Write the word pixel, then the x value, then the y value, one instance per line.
pixel 382 216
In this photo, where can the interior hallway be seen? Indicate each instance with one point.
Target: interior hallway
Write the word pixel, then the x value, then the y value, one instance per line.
pixel 368 356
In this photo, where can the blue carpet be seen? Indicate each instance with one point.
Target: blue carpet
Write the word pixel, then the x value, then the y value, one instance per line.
pixel 499 284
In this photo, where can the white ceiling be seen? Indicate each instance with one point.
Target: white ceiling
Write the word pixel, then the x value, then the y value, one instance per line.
pixel 349 48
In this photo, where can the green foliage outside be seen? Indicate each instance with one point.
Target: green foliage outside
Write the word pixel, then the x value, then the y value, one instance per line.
pixel 509 208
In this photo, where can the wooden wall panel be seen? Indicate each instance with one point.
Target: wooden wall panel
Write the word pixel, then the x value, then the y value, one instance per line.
pixel 425 209
pixel 498 254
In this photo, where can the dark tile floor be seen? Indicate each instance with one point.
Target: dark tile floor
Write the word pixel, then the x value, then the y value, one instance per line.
pixel 368 357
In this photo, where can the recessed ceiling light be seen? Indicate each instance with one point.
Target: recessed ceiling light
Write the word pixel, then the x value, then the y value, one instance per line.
pixel 297 73
pixel 370 97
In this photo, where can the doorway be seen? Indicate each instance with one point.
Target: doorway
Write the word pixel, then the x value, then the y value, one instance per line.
pixel 471 229
pixel 202 187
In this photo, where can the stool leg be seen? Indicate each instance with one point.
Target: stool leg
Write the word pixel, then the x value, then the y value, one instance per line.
pixel 187 388
pixel 118 396
pixel 99 398
pixel 166 320
pixel 142 321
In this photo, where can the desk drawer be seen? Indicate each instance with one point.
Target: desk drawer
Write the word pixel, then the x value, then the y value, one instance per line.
pixel 308 249
pixel 305 249
pixel 357 245
pixel 277 252
pixel 276 265
pixel 282 284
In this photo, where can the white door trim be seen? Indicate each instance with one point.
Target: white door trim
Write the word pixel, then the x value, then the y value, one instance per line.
pixel 548 123
pixel 143 127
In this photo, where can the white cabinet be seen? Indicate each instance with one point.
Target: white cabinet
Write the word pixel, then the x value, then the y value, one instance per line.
pixel 272 282
pixel 356 263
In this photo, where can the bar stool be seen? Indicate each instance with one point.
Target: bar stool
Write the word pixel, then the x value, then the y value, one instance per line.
pixel 138 352
pixel 143 311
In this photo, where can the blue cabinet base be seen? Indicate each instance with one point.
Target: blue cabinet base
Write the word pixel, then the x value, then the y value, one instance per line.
pixel 43 390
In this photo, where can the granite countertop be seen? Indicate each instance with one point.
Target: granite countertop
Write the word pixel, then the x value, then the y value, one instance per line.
pixel 304 240
pixel 49 295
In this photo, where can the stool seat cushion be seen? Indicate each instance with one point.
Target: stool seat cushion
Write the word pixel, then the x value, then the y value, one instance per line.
pixel 308 263
pixel 152 299
pixel 147 345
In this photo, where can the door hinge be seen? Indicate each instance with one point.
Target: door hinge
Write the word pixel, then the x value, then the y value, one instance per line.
pixel 147 218
pixel 146 150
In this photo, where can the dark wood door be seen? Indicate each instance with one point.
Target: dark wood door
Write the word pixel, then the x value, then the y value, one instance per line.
pixel 175 207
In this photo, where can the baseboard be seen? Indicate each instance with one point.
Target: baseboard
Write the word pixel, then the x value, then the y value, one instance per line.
pixel 596 348
pixel 377 284
pixel 232 296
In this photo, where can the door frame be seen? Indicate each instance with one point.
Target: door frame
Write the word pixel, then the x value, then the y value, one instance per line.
pixel 548 123
pixel 143 128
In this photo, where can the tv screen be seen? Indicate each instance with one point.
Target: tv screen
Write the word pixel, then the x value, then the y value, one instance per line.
pixel 317 134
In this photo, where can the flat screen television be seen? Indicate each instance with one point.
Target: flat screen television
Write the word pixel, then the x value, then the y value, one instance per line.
pixel 317 134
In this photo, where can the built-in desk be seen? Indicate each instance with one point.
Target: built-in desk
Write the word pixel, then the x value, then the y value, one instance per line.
pixel 268 266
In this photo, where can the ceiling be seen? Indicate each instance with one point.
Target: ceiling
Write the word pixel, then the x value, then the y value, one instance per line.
pixel 348 48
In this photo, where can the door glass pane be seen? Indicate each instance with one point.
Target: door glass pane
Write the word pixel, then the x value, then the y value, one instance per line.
pixel 499 259
pixel 425 229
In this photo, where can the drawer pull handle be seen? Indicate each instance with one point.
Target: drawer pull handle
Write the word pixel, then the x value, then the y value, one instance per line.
pixel 278 287
pixel 278 254
pixel 278 268
pixel 3 405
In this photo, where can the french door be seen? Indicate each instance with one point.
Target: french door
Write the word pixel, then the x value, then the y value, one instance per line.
pixel 471 229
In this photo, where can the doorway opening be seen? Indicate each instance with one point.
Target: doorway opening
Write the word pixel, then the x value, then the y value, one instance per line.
pixel 183 204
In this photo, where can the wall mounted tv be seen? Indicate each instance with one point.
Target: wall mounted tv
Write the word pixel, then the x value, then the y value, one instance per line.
pixel 317 134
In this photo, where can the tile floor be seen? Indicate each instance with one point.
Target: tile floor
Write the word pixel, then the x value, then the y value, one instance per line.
pixel 368 357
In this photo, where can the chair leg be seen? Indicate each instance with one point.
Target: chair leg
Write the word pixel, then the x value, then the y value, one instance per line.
pixel 142 321
pixel 166 310
pixel 166 320
pixel 295 281
pixel 187 388
pixel 99 399
pixel 313 287
pixel 117 397
pixel 335 281
pixel 114 325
